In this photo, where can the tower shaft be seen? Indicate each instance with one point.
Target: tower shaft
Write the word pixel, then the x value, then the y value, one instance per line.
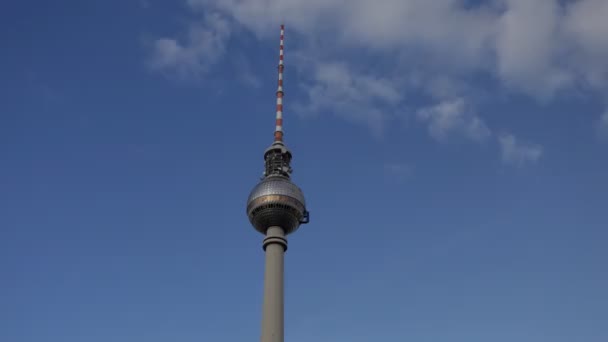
pixel 275 245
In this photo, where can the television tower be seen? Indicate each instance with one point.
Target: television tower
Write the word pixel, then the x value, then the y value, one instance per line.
pixel 276 208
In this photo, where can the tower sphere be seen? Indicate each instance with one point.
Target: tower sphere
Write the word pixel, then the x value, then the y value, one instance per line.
pixel 276 201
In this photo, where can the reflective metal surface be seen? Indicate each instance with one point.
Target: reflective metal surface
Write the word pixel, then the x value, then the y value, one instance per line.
pixel 276 201
pixel 276 186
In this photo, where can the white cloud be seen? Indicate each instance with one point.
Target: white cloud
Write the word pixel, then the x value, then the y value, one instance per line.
pixel 518 153
pixel 528 46
pixel 204 46
pixel 586 29
pixel 453 117
pixel 345 92
pixel 437 49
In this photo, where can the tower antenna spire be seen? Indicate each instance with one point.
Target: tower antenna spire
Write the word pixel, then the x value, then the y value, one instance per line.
pixel 278 131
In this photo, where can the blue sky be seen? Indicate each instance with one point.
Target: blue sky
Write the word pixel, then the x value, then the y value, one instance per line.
pixel 453 156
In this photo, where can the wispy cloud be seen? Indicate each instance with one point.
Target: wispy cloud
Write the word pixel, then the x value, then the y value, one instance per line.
pixel 42 90
pixel 338 89
pixel 518 153
pixel 602 125
pixel 397 172
pixel 245 73
pixel 203 47
pixel 453 117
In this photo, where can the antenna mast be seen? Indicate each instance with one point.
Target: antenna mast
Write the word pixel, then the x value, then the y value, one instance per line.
pixel 278 132
pixel 278 157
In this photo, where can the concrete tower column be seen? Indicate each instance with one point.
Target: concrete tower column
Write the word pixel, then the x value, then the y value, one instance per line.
pixel 275 246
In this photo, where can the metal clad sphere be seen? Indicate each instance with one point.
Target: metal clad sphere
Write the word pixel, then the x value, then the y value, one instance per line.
pixel 276 201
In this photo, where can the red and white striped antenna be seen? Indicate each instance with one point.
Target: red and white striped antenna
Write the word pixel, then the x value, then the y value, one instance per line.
pixel 278 132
